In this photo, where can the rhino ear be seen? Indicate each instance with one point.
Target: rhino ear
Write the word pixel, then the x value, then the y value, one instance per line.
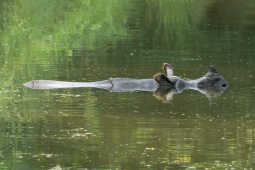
pixel 212 69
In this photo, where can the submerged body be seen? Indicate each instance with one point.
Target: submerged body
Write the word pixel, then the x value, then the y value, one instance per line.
pixel 211 84
pixel 112 84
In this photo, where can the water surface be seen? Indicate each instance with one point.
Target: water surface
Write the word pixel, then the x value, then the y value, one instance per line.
pixel 95 129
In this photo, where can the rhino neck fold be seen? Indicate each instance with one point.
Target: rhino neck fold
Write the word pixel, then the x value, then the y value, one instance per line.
pixel 182 85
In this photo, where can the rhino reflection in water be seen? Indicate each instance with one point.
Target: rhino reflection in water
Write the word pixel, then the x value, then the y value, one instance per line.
pixel 164 85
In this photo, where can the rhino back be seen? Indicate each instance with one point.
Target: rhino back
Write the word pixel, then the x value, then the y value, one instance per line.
pixel 129 84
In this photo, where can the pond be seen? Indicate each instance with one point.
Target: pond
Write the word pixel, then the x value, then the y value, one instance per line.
pixel 91 40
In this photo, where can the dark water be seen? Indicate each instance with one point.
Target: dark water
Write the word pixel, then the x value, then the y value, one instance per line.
pixel 95 129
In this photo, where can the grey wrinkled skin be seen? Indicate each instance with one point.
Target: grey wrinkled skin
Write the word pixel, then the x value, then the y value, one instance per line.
pixel 211 80
pixel 112 84
pixel 211 84
pixel 129 84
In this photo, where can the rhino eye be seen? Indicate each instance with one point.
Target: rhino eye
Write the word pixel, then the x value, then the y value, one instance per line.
pixel 217 79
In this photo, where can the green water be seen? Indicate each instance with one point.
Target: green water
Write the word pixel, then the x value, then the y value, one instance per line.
pixel 89 40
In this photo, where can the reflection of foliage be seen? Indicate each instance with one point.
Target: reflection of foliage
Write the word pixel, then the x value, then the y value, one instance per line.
pixel 171 26
pixel 60 26
pixel 179 144
pixel 38 35
pixel 34 32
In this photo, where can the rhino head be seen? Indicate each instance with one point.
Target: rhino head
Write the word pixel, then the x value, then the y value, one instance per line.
pixel 212 84
pixel 212 79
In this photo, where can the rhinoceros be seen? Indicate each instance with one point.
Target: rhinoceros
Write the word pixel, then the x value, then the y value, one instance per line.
pixel 212 81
